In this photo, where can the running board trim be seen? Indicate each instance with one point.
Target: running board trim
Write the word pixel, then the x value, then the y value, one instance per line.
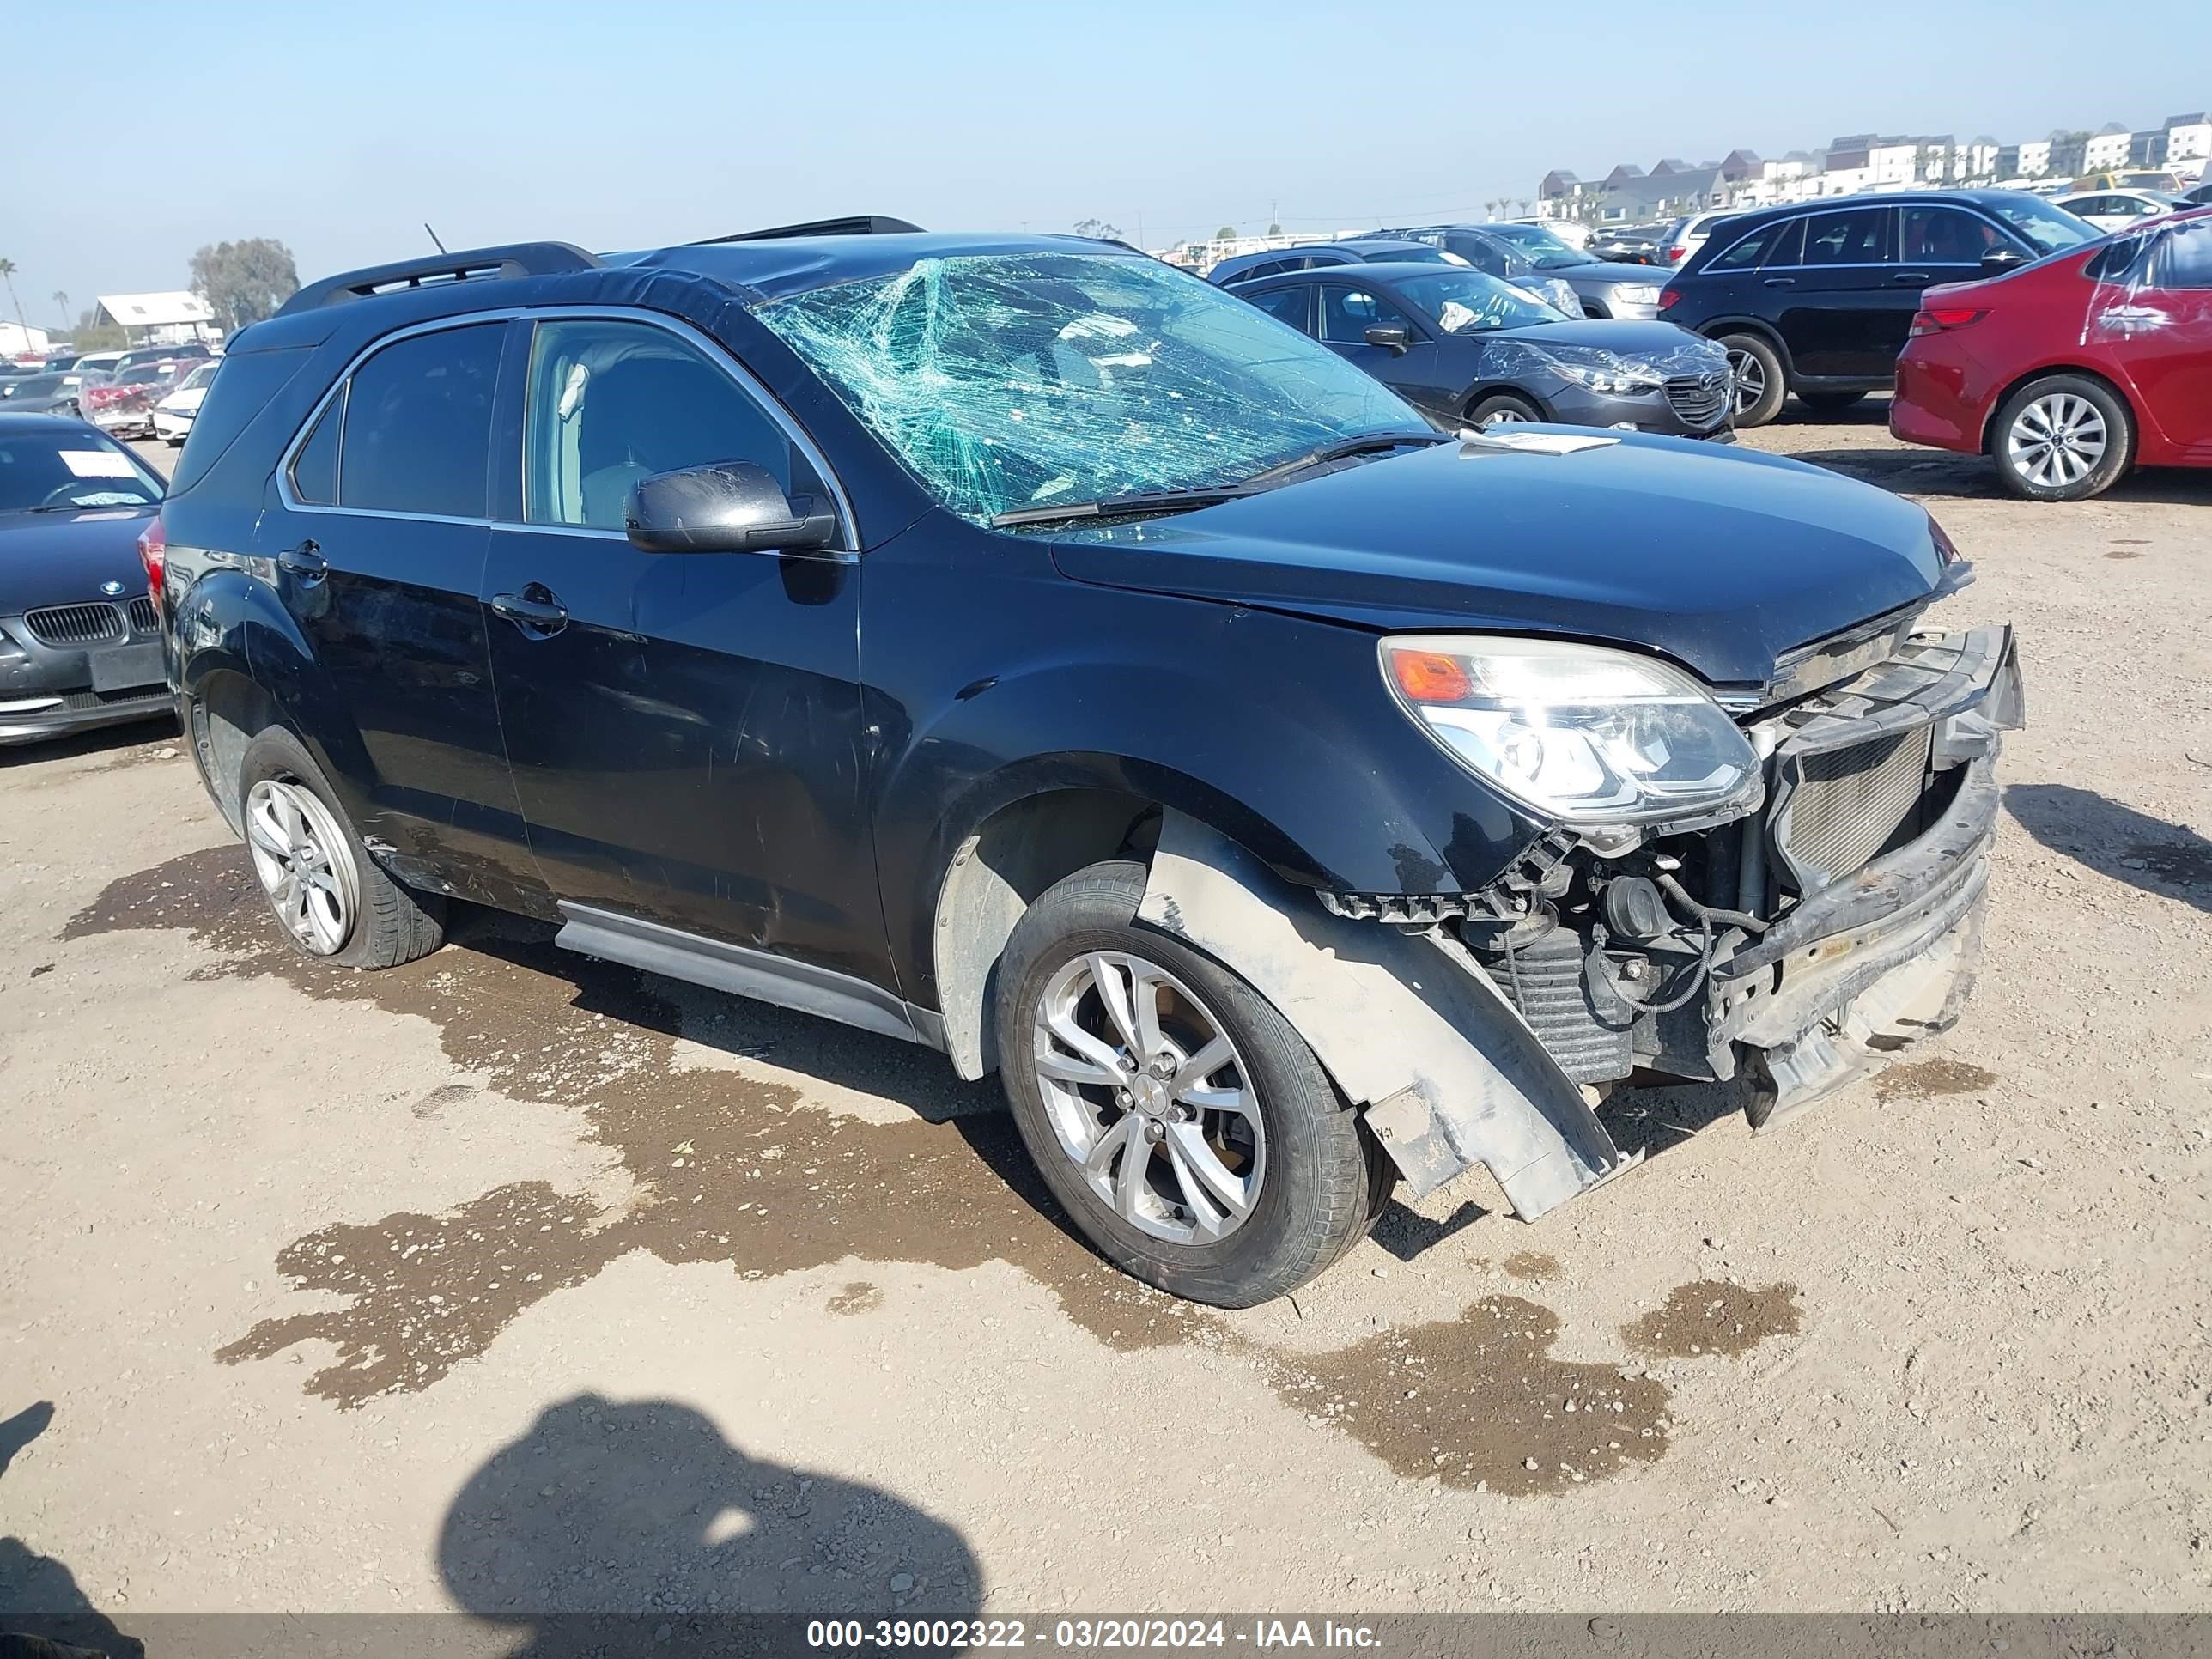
pixel 738 968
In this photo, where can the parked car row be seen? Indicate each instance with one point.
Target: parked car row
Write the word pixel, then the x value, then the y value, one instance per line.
pixel 117 391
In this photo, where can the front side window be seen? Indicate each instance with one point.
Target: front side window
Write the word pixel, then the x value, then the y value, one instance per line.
pixel 611 401
pixel 1346 315
pixel 1947 236
pixel 1858 237
pixel 417 436
pixel 1016 381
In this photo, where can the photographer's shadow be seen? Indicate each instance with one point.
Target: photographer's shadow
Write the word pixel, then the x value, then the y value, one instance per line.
pixel 609 1512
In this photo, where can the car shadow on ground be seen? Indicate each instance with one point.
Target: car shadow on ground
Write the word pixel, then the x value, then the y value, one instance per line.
pixel 39 1597
pixel 2171 860
pixel 612 1520
pixel 106 740
pixel 1917 471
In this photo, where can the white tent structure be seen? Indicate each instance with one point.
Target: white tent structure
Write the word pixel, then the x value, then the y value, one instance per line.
pixel 160 319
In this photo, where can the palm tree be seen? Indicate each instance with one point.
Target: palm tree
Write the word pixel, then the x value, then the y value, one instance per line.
pixel 8 276
pixel 61 304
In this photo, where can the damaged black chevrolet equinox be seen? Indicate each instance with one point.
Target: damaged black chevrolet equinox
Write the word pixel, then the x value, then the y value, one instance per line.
pixel 1018 646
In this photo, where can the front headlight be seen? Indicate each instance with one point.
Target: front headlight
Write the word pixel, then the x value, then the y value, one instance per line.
pixel 1575 733
pixel 1601 370
pixel 1638 294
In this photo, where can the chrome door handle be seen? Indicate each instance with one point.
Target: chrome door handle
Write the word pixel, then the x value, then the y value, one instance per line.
pixel 534 610
pixel 1920 276
pixel 1781 282
pixel 305 562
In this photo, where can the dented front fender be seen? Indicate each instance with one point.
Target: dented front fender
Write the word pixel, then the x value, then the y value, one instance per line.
pixel 1442 1067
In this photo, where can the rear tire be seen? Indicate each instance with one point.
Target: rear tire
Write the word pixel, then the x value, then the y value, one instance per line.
pixel 1502 408
pixel 2063 438
pixel 332 900
pixel 1760 380
pixel 1254 1175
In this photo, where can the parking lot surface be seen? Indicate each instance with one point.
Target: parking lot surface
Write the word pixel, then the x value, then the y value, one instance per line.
pixel 515 1282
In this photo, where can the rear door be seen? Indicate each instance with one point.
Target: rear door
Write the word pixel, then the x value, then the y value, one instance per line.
pixel 1833 312
pixel 2159 329
pixel 374 535
pixel 686 729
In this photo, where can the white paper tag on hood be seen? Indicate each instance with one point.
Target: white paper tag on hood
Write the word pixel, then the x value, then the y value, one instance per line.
pixel 1535 443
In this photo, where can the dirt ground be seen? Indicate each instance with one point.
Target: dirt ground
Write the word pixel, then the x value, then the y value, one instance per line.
pixel 513 1282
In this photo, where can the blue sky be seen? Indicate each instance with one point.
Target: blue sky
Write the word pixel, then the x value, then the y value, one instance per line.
pixel 339 130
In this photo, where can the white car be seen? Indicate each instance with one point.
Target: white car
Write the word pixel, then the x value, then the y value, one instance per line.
pixel 2117 210
pixel 96 362
pixel 173 415
pixel 1686 236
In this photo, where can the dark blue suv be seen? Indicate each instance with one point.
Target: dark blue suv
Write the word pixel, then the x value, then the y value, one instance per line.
pixel 1015 646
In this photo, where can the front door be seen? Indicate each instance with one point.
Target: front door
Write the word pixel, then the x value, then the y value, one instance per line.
pixel 685 728
pixel 1416 373
pixel 374 535
pixel 1833 314
pixel 2159 329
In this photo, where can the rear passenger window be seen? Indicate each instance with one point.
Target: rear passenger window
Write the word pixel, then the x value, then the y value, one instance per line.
pixel 1777 244
pixel 417 434
pixel 1856 238
pixel 1288 304
pixel 315 468
pixel 2186 261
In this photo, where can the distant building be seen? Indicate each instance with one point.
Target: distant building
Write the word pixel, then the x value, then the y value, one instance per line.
pixel 2188 138
pixel 2107 148
pixel 160 318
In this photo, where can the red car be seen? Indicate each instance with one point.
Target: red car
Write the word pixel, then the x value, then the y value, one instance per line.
pixel 2070 371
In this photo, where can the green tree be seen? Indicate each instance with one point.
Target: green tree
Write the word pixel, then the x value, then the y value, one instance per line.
pixel 245 281
pixel 7 274
pixel 93 332
pixel 1101 229
pixel 1224 233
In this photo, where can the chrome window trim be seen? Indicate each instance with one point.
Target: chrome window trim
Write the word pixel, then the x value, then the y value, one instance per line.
pixel 716 354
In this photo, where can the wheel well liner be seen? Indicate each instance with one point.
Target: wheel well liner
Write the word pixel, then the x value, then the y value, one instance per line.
pixel 997 872
pixel 2006 394
pixel 225 711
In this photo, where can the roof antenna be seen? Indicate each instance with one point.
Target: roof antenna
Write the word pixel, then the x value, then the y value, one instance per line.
pixel 433 235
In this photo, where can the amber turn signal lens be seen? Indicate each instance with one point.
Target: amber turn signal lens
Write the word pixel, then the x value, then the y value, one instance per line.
pixel 1430 676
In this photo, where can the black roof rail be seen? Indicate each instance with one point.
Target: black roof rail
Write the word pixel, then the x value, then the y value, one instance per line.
pixel 513 259
pixel 859 224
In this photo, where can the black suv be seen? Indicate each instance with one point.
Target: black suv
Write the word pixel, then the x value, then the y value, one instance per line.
pixel 1817 299
pixel 1015 646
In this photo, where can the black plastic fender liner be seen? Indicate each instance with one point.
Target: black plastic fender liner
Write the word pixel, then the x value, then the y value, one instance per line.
pixel 1447 1073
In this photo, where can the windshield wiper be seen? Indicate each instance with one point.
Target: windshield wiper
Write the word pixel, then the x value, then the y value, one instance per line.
pixel 1142 500
pixel 1340 451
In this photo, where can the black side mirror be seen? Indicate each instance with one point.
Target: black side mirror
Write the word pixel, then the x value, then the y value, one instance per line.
pixel 1389 337
pixel 726 507
pixel 1999 260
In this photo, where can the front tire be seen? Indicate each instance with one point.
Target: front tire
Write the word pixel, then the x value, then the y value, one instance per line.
pixel 1760 381
pixel 1502 408
pixel 1222 1165
pixel 334 902
pixel 2063 438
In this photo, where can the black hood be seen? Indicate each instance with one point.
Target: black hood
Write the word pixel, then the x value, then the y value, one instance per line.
pixel 62 558
pixel 1721 558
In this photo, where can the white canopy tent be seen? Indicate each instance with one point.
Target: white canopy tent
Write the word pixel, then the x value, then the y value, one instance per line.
pixel 160 319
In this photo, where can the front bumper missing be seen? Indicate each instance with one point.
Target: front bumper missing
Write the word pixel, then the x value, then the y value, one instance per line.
pixel 1447 1073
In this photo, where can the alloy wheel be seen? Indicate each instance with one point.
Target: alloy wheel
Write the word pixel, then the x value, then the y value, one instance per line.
pixel 304 866
pixel 1748 375
pixel 1146 1093
pixel 2057 439
pixel 1507 415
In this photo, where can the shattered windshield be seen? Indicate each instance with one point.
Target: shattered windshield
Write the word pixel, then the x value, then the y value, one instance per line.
pixel 1549 252
pixel 1018 381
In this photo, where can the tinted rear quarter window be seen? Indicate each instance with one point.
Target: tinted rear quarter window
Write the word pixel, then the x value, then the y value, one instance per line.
pixel 244 383
pixel 315 468
pixel 417 436
pixel 2186 259
pixel 1776 244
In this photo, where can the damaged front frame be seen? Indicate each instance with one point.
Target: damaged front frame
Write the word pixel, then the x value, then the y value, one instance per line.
pixel 1409 1027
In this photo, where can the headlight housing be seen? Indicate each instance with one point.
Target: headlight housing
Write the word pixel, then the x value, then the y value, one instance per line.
pixel 1575 733
pixel 1638 294
pixel 1599 369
